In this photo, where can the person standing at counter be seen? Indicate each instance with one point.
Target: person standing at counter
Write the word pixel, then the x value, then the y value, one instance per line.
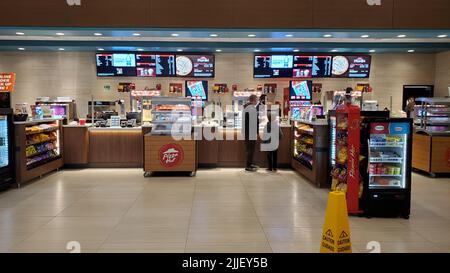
pixel 271 131
pixel 250 127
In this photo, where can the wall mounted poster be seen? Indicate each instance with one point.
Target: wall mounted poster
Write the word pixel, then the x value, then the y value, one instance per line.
pixel 7 81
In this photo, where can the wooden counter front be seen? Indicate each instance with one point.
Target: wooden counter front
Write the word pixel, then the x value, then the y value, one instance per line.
pixel 76 145
pixel 230 152
pixel 116 148
pixel 431 154
pixel 182 155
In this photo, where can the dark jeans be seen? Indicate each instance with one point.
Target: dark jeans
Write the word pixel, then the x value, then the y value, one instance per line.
pixel 250 146
pixel 272 159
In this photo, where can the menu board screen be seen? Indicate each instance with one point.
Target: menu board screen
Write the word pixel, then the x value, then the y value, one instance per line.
pixel 201 66
pixel 300 90
pixel 197 90
pixel 351 66
pixel 116 64
pixel 312 66
pixel 165 65
pixel 146 65
pixel 273 66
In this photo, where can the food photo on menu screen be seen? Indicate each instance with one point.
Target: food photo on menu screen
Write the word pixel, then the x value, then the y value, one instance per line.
pixel 197 90
pixel 351 66
pixel 306 66
pixel 273 66
pixel 300 90
pixel 195 66
pixel 116 64
pixel 146 65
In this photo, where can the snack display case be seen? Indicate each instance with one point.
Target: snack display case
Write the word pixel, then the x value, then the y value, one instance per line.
pixel 431 139
pixel 305 111
pixel 168 112
pixel 345 173
pixel 387 175
pixel 310 150
pixel 61 110
pixel 38 148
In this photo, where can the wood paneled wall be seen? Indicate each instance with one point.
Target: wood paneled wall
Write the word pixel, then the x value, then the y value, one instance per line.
pixel 228 13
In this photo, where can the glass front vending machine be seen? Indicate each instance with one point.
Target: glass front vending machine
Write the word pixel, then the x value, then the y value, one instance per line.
pixel 6 148
pixel 387 178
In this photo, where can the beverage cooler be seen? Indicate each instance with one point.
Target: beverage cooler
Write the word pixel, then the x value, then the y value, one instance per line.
pixel 6 148
pixel 386 145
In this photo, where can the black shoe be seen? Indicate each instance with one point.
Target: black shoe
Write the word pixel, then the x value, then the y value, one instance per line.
pixel 275 170
pixel 250 169
pixel 254 166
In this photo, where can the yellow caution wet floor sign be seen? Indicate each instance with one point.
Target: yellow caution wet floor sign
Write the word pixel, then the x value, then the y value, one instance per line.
pixel 336 231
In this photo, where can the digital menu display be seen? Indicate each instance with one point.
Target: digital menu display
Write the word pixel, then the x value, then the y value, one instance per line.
pixel 116 64
pixel 351 66
pixel 146 65
pixel 300 90
pixel 312 66
pixel 165 65
pixel 273 66
pixel 201 66
pixel 197 90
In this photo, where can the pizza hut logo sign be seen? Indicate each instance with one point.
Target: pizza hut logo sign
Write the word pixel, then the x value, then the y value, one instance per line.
pixel 171 155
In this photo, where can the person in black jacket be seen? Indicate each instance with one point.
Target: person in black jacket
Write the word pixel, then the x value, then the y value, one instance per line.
pixel 272 137
pixel 250 127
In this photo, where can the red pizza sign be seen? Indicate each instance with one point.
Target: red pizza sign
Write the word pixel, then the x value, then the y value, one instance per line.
pixel 171 155
pixel 7 81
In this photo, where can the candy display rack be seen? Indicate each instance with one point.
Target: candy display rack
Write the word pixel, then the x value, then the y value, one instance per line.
pixel 38 148
pixel 345 173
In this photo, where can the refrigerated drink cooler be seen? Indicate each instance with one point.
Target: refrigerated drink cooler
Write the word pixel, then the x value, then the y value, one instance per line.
pixel 6 149
pixel 386 145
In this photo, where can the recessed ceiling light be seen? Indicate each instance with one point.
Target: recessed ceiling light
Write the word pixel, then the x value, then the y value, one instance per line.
pixel 21 48
pixel 411 51
pixel 100 49
pixel 327 35
pixel 257 50
pixel 401 36
pixel 442 36
pixel 179 50
pixel 296 50
pixel 213 35
pixel 372 51
pixel 61 49
pixel 60 34
pixel 251 35
pixel 365 36
pixel 175 34
pixel 140 49
pixel 289 35
pixel 218 50
pixel 334 50
pixel 98 34
pixel 136 34
pixel 20 33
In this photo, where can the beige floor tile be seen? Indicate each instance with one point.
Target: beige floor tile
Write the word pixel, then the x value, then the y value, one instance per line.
pixel 295 247
pixel 82 223
pixel 37 210
pixel 401 247
pixel 147 235
pixel 289 211
pixel 156 221
pixel 22 223
pixel 437 235
pixel 224 235
pixel 230 211
pixel 286 235
pixel 225 222
pixel 386 235
pixel 164 247
pixel 228 248
pixel 290 221
pixel 55 247
pixel 58 235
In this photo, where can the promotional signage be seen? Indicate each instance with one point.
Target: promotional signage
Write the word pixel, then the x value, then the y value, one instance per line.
pixel 7 81
pixel 171 155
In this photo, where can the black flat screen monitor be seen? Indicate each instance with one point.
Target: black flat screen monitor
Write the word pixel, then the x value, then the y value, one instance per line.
pixel 197 90
pixel 300 90
pixel 116 64
pixel 273 66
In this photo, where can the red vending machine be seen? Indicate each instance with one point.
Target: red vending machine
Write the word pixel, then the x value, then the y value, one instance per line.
pixel 345 173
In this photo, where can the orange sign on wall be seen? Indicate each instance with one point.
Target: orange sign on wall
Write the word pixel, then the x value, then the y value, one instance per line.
pixel 7 81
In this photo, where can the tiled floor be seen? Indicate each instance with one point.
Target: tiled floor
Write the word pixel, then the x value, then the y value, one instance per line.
pixel 220 210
